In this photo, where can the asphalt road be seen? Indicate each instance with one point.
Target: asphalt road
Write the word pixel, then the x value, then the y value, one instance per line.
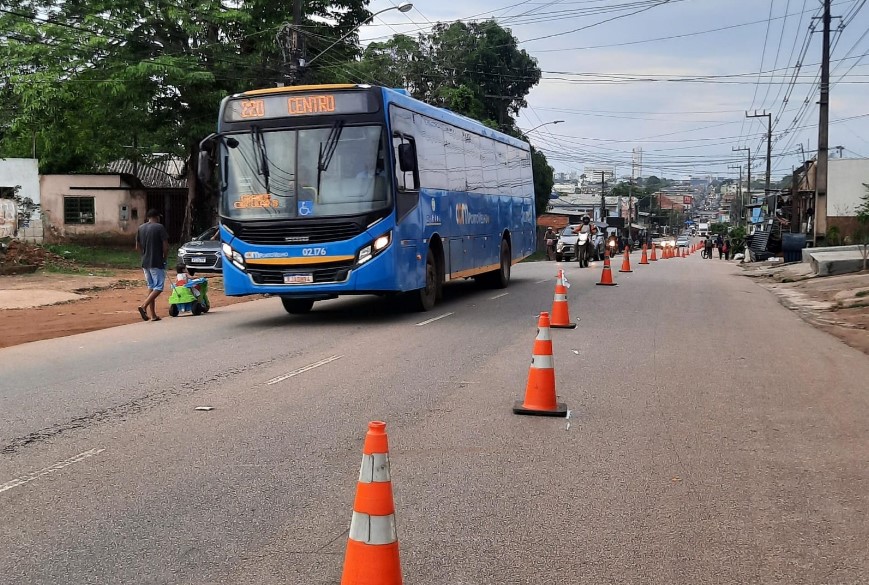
pixel 714 438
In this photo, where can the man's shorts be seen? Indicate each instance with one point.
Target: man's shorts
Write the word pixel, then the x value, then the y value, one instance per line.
pixel 154 277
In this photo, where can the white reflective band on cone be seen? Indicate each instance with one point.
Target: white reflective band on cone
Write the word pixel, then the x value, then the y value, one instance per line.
pixel 543 334
pixel 373 529
pixel 560 297
pixel 542 362
pixel 374 468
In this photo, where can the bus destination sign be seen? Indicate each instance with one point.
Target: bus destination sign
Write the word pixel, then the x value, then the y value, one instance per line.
pixel 293 105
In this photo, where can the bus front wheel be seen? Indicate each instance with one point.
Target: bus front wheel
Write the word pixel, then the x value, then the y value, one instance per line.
pixel 297 306
pixel 425 298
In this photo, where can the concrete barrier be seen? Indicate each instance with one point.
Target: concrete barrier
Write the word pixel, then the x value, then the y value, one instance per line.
pixel 833 263
pixel 807 252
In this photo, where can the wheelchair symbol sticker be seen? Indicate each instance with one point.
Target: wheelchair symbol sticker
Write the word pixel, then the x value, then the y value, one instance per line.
pixel 306 208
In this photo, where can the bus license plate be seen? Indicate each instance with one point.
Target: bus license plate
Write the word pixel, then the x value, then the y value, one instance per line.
pixel 298 278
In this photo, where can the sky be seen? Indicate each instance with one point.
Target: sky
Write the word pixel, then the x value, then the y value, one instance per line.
pixel 675 79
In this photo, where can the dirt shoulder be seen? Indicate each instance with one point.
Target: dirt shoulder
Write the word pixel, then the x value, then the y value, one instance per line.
pixel 837 304
pixel 95 302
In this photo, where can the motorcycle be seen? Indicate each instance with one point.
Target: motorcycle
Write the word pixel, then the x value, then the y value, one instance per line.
pixel 582 249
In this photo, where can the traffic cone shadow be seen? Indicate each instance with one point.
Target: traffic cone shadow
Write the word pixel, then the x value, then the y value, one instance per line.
pixel 540 397
pixel 560 310
pixel 372 546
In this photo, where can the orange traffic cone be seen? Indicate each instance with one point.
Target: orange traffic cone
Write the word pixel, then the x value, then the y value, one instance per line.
pixel 644 259
pixel 606 277
pixel 653 257
pixel 626 263
pixel 560 311
pixel 372 547
pixel 540 398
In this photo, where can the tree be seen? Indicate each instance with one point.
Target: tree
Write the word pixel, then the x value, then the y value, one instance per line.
pixel 474 69
pixel 543 180
pixel 88 82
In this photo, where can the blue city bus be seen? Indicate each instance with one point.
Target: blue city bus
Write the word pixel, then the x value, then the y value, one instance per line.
pixel 354 189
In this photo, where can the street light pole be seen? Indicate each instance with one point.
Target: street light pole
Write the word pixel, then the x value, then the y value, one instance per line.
pixel 542 125
pixel 403 7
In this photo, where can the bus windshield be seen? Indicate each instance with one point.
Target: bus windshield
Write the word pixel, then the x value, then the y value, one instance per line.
pixel 318 172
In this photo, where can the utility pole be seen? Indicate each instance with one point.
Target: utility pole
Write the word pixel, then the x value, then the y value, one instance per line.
pixel 292 47
pixel 738 189
pixel 768 117
pixel 602 195
pixel 823 130
pixel 749 180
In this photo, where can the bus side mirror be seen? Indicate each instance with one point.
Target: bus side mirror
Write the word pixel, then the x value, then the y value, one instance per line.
pixel 204 166
pixel 407 157
pixel 204 161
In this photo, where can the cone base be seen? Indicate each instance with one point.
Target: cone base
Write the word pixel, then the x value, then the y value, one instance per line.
pixel 625 270
pixel 560 410
pixel 606 283
pixel 643 263
pixel 567 326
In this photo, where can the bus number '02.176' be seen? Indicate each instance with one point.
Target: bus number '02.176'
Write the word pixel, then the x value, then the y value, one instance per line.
pixel 313 251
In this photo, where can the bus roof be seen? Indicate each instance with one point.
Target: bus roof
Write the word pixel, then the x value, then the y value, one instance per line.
pixel 400 98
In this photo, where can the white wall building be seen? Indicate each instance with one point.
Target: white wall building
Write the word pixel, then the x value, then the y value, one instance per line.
pixel 23 173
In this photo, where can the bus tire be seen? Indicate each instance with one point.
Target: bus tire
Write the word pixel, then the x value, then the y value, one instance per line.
pixel 500 278
pixel 425 298
pixel 297 306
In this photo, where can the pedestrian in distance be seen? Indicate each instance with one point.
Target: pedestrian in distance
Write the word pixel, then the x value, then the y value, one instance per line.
pixel 707 248
pixel 719 243
pixel 727 248
pixel 152 240
pixel 550 238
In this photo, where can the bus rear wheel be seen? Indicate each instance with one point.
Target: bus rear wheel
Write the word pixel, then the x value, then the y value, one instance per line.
pixel 500 278
pixel 297 306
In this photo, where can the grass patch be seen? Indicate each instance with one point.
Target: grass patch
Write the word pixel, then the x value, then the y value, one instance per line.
pixel 73 269
pixel 862 293
pixel 100 257
pixel 536 257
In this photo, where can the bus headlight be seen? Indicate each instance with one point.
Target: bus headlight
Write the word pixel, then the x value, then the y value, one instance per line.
pixel 234 256
pixel 373 249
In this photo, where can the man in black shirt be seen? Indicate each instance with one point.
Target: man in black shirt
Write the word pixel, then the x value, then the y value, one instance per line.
pixel 152 240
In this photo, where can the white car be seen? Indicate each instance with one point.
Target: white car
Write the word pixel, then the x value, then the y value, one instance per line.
pixel 565 249
pixel 682 242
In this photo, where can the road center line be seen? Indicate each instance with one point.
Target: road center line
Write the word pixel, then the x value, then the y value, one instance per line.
pixel 433 319
pixel 19 481
pixel 542 281
pixel 498 296
pixel 303 369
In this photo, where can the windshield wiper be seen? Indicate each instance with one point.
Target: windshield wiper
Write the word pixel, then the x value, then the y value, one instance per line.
pixel 262 161
pixel 327 151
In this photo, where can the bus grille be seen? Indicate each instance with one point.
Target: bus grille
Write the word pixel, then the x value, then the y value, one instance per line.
pixel 297 234
pixel 321 275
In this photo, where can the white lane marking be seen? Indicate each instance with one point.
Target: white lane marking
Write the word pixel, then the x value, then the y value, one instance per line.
pixel 432 320
pixel 18 481
pixel 303 369
pixel 498 296
pixel 542 281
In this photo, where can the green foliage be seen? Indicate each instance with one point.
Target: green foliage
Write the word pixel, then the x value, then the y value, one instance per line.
pixel 543 180
pixel 863 208
pixel 718 228
pixel 86 81
pixel 834 236
pixel 737 239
